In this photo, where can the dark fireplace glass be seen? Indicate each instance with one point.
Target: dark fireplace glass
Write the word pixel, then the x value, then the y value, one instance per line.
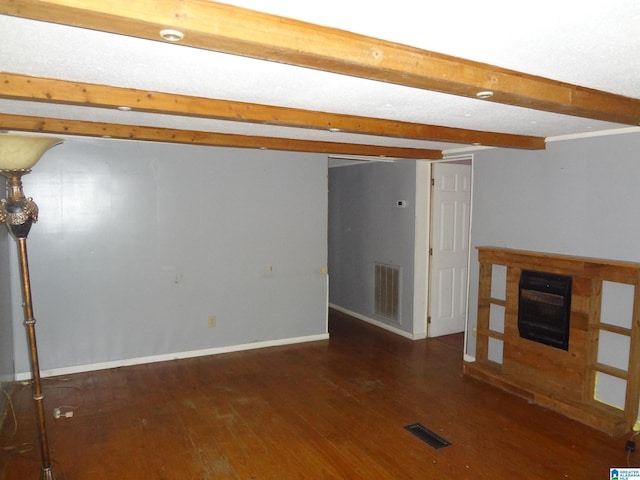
pixel 544 308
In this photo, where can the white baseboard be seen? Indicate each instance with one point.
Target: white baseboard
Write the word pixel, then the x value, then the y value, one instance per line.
pixel 378 323
pixel 54 372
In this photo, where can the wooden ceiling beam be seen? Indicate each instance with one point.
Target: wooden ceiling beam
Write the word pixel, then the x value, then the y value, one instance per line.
pixel 223 28
pixel 22 87
pixel 58 126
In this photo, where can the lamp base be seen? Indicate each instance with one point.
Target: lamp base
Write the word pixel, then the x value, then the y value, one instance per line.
pixel 47 474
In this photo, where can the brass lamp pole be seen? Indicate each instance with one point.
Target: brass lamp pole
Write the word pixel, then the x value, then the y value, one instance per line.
pixel 18 153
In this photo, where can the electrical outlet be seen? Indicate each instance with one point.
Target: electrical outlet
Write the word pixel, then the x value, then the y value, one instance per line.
pixel 212 321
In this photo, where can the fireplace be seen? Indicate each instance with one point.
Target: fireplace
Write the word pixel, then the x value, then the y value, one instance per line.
pixel 565 381
pixel 544 308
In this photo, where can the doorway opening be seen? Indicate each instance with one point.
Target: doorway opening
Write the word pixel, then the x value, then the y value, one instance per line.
pixel 380 214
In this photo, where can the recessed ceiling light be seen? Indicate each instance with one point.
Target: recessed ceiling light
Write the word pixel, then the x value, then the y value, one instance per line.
pixel 484 94
pixel 334 129
pixel 171 35
pixel 476 144
pixel 124 109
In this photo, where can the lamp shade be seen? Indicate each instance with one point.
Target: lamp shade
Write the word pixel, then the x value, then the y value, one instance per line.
pixel 21 152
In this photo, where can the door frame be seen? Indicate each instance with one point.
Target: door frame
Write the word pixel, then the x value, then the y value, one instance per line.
pixel 422 244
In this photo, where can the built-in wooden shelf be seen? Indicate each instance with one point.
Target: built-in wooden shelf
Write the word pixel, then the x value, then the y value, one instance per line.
pixel 562 380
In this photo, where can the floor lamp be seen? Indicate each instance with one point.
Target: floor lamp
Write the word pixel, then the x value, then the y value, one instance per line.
pixel 18 153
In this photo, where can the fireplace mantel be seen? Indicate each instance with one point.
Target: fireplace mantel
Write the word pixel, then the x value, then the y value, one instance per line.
pixel 564 381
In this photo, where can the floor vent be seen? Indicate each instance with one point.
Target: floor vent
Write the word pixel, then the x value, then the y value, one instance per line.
pixel 387 291
pixel 427 436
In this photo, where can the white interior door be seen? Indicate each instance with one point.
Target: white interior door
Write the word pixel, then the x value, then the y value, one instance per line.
pixel 450 221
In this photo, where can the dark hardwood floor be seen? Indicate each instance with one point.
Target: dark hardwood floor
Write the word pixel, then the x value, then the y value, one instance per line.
pixel 323 410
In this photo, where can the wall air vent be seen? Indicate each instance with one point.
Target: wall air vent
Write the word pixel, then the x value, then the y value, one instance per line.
pixel 387 291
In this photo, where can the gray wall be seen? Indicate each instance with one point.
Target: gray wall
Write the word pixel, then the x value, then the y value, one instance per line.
pixel 578 197
pixel 366 226
pixel 139 243
pixel 6 327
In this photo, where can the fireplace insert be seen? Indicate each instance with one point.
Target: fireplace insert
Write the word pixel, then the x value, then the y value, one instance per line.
pixel 544 308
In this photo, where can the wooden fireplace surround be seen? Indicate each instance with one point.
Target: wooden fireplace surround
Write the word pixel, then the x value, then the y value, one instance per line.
pixel 563 381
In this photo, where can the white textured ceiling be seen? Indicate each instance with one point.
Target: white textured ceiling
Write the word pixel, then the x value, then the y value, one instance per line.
pixel 590 43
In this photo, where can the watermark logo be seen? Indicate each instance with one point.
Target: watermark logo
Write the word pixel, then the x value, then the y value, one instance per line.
pixel 624 474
